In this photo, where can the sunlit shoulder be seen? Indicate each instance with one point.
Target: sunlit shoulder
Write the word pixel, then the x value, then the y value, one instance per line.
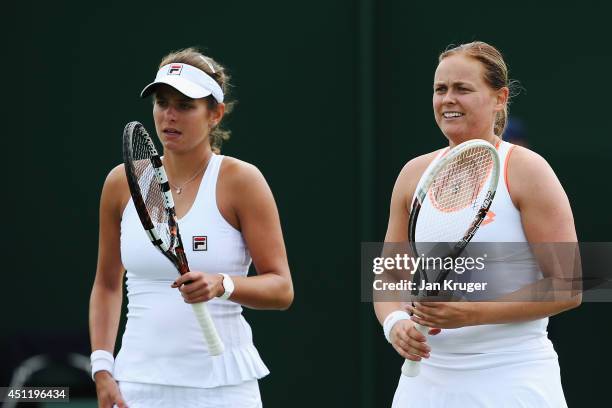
pixel 116 190
pixel 528 174
pixel 412 171
pixel 238 172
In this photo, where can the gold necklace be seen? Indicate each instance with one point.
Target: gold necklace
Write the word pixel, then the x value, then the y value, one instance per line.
pixel 179 189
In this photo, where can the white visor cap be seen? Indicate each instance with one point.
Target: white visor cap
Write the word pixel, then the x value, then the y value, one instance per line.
pixel 186 79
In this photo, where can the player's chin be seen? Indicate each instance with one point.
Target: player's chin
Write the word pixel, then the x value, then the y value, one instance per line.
pixel 174 146
pixel 454 133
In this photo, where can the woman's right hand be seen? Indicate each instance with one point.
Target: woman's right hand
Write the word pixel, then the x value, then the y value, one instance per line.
pixel 409 342
pixel 108 392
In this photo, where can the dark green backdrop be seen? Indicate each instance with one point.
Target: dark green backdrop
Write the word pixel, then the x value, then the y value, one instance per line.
pixel 334 97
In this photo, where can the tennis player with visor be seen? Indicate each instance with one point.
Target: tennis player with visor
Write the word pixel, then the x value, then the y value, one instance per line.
pixel 228 219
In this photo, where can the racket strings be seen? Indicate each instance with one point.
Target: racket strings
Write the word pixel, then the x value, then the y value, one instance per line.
pixel 150 189
pixel 455 197
pixel 459 184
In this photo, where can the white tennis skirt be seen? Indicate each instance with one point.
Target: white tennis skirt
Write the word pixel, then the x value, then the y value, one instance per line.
pixel 139 395
pixel 525 384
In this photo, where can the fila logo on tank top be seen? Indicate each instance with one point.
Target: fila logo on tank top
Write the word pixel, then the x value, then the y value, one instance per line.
pixel 154 334
pixel 200 243
pixel 216 246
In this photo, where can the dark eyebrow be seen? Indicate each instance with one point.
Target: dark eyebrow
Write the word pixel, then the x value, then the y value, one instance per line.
pixel 458 83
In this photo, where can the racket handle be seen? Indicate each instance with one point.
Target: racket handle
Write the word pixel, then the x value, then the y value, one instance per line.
pixel 413 368
pixel 215 345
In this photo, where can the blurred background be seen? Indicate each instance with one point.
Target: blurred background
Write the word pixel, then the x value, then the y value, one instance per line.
pixel 334 98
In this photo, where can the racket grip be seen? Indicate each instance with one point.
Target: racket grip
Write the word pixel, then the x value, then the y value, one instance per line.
pixel 215 345
pixel 413 368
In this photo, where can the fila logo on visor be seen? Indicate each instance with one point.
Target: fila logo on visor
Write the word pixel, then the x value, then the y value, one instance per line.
pixel 175 69
pixel 200 243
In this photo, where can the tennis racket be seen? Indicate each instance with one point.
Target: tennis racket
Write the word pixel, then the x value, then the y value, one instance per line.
pixel 155 206
pixel 450 203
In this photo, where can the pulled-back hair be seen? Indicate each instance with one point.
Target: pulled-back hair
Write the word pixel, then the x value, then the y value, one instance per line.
pixel 496 73
pixel 192 56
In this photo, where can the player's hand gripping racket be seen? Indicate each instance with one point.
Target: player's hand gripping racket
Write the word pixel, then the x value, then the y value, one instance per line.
pixel 155 206
pixel 450 203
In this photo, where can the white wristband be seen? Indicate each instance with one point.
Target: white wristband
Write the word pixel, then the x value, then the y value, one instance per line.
pixel 390 321
pixel 101 360
pixel 228 285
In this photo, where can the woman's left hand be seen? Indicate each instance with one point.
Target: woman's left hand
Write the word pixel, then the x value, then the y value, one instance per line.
pixel 196 287
pixel 445 315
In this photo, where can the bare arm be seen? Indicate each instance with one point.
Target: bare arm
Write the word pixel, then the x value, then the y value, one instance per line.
pixel 547 217
pixel 106 295
pixel 397 228
pixel 405 339
pixel 246 202
pixel 256 210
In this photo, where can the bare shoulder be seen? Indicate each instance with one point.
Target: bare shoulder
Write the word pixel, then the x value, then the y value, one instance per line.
pixel 117 176
pixel 116 192
pixel 416 167
pixel 236 173
pixel 526 167
pixel 403 191
pixel 412 172
pixel 524 160
pixel 238 179
pixel 240 189
pixel 528 174
pixel 117 180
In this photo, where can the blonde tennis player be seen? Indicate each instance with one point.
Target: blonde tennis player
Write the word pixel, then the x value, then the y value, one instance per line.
pixel 228 218
pixel 482 354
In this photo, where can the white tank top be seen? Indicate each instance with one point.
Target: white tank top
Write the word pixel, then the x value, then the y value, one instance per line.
pixel 503 224
pixel 162 342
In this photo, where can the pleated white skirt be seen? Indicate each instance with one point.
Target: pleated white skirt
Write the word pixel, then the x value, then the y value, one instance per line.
pixel 139 395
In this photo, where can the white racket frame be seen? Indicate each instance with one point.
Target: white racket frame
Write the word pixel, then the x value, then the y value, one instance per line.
pixel 412 368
